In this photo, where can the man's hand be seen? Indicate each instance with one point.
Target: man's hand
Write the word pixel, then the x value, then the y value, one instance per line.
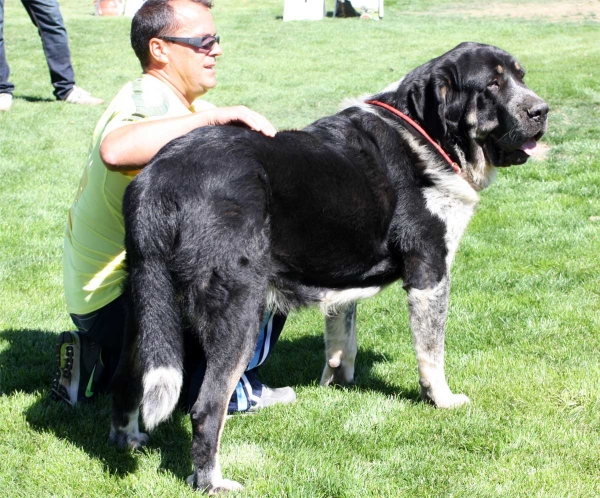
pixel 240 113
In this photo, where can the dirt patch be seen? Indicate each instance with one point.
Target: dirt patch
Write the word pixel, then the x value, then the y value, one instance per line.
pixel 540 152
pixel 550 11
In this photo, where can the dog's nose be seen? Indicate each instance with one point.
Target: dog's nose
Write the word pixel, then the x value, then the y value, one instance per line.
pixel 538 111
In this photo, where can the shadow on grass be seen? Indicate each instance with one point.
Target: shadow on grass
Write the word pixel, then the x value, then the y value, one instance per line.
pixel 300 361
pixel 28 364
pixel 28 98
pixel 87 426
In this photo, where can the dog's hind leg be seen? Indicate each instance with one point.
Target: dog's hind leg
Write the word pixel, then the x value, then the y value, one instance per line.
pixel 340 347
pixel 126 388
pixel 228 341
pixel 150 370
pixel 428 308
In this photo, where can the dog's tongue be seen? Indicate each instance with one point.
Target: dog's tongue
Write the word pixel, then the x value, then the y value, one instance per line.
pixel 529 146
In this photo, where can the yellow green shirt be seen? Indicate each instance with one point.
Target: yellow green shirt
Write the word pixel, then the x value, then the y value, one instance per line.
pixel 94 250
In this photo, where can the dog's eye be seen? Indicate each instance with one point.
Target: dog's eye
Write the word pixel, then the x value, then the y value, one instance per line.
pixel 493 85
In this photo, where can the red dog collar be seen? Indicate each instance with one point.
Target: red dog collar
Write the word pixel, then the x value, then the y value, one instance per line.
pixel 454 166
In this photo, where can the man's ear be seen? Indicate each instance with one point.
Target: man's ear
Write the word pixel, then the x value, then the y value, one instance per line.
pixel 427 101
pixel 158 50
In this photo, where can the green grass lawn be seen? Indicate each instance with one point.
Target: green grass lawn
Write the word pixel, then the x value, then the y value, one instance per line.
pixel 524 324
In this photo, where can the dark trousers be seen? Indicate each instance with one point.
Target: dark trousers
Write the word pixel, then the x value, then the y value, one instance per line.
pixel 46 16
pixel 106 326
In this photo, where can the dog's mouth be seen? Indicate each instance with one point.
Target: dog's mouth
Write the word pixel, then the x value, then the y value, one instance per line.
pixel 503 155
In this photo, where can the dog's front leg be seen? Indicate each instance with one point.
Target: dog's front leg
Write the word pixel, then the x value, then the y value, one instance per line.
pixel 428 308
pixel 340 347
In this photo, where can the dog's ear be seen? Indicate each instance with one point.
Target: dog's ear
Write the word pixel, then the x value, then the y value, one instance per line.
pixel 427 101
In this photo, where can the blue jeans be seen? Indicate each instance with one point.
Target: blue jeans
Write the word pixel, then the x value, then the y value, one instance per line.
pixel 105 327
pixel 46 16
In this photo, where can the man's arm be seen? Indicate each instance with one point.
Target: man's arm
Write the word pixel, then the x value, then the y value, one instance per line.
pixel 131 147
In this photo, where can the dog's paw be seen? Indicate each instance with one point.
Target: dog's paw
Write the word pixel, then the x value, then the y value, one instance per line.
pixel 221 487
pixel 453 401
pixel 225 486
pixel 337 373
pixel 125 440
pixel 448 400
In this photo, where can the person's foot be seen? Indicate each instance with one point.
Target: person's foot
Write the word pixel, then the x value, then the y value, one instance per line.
pixel 79 96
pixel 5 101
pixel 79 368
pixel 273 396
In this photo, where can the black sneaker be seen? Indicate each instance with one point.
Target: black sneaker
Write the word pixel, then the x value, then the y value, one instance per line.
pixel 79 369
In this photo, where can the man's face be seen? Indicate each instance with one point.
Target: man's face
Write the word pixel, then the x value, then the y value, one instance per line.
pixel 191 69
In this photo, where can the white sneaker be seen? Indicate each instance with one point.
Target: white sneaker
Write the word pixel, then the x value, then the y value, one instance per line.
pixel 5 101
pixel 79 96
pixel 270 396
pixel 273 396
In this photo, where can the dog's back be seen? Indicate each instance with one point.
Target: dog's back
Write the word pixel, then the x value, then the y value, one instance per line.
pixel 329 191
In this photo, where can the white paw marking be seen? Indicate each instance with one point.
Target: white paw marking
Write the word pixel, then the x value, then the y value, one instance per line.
pixel 452 401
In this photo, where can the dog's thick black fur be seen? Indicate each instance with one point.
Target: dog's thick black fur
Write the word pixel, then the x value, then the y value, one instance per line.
pixel 225 221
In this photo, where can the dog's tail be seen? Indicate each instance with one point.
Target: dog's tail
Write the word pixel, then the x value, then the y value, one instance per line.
pixel 161 392
pixel 160 342
pixel 150 230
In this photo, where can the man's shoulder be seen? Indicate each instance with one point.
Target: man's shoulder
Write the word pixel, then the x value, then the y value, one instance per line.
pixel 201 105
pixel 143 98
pixel 151 97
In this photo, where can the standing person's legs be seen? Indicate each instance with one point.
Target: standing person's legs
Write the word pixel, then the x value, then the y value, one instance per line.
pixel 46 16
pixel 5 86
pixel 88 358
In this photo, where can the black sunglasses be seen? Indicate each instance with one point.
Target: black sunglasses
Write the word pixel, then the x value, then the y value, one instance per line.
pixel 204 43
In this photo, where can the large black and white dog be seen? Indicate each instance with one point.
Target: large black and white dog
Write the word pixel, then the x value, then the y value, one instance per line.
pixel 225 222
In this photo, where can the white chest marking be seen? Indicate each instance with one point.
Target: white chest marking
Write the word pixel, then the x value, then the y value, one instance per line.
pixel 454 212
pixel 332 300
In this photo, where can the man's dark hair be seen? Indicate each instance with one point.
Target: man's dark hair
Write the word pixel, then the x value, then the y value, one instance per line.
pixel 154 19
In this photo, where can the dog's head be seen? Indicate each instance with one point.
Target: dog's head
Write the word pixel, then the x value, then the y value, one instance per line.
pixel 473 100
